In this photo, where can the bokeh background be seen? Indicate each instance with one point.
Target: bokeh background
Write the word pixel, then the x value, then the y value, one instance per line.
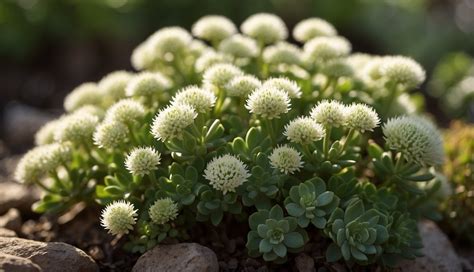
pixel 47 47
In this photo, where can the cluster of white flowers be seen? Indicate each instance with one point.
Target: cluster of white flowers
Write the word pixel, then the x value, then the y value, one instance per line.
pixel 110 134
pixel 304 130
pixel 226 173
pixel 213 28
pixel 416 138
pixel 170 122
pixel 239 46
pixel 202 100
pixel 119 217
pixel 163 211
pixel 268 102
pixel 286 159
pixel 142 161
pixel 265 27
pixel 147 84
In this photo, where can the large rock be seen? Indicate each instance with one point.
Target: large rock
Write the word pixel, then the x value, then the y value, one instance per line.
pixel 10 263
pixel 7 233
pixel 51 257
pixel 15 195
pixel 11 220
pixel 186 257
pixel 438 250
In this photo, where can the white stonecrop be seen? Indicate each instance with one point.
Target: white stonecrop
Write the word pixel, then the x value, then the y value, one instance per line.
pixel 402 70
pixel 268 102
pixel 142 161
pixel 329 113
pixel 111 134
pixel 285 84
pixel 239 46
pixel 202 100
pixel 169 40
pixel 226 173
pixel 147 84
pixel 416 138
pixel 84 94
pixel 113 85
pixel 265 27
pixel 220 74
pixel 76 128
pixel 210 58
pixel 126 111
pixel 304 130
pixel 311 28
pixel 170 122
pixel 163 211
pixel 361 117
pixel 326 48
pixel 213 28
pixel 119 217
pixel 286 159
pixel 242 86
pixel 283 53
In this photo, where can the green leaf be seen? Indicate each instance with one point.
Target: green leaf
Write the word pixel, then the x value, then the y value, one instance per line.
pixel 276 212
pixel 280 250
pixel 258 218
pixel 418 178
pixel 253 138
pixel 333 253
pixel 293 240
pixel 354 210
pixel 375 151
pixel 216 217
pixel 358 255
pixel 262 230
pixel 325 198
pixel 265 246
pixel 294 210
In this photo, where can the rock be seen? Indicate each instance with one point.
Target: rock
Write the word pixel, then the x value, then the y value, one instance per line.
pixel 31 119
pixel 7 233
pixel 304 263
pixel 438 247
pixel 185 257
pixel 15 195
pixel 438 250
pixel 51 257
pixel 10 263
pixel 11 220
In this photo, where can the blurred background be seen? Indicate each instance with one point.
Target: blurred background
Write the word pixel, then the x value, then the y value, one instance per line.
pixel 47 47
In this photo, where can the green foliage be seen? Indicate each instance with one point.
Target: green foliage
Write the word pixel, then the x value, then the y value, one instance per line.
pixel 211 160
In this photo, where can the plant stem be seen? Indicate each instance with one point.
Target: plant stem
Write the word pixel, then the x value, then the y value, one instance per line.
pixel 348 139
pixel 271 131
pixel 326 140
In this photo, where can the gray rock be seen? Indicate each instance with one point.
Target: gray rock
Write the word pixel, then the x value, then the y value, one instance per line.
pixel 438 250
pixel 31 119
pixel 304 263
pixel 185 257
pixel 7 233
pixel 15 195
pixel 10 263
pixel 11 220
pixel 51 257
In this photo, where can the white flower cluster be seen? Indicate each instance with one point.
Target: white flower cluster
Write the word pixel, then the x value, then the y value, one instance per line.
pixel 119 217
pixel 226 173
pixel 163 211
pixel 142 161
pixel 286 159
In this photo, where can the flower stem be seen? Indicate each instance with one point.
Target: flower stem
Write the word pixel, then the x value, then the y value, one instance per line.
pixel 326 140
pixel 348 139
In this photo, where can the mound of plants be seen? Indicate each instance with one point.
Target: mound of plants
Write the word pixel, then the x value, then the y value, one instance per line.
pixel 280 143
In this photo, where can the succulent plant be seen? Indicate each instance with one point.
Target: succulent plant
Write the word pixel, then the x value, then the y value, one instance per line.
pixel 309 202
pixel 273 235
pixel 357 233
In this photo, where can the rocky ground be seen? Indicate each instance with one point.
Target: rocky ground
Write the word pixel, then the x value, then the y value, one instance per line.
pixel 76 242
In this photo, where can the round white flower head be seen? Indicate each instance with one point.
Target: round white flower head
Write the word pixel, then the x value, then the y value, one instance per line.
pixel 119 217
pixel 337 68
pixel 142 57
pixel 242 86
pixel 226 173
pixel 416 138
pixel 198 47
pixel 169 40
pixel 142 161
pixel 285 84
pixel 110 134
pixel 113 85
pixel 91 109
pixel 163 211
pixel 286 159
pixel 311 28
pixel 239 46
pixel 170 122
pixel 147 84
pixel 402 70
pixel 265 27
pixel 45 135
pixel 36 163
pixel 220 74
pixel 358 60
pixel 209 59
pixel 76 128
pixel 304 130
pixel 126 111
pixel 202 100
pixel 213 28
pixel 84 94
pixel 329 113
pixel 326 48
pixel 361 117
pixel 268 102
pixel 282 53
